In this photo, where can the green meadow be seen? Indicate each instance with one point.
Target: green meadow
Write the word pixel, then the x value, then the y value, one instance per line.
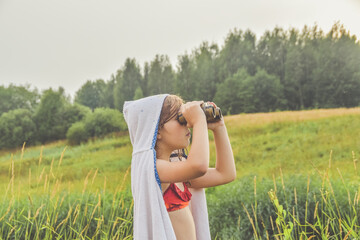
pixel 297 178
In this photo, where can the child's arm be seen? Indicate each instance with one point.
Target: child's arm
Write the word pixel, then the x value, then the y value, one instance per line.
pixel 225 163
pixel 225 170
pixel 198 160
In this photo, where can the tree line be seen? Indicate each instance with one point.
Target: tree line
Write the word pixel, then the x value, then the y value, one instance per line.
pixel 282 70
pixel 33 118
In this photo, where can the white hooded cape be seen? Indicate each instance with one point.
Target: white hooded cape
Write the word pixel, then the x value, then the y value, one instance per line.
pixel 151 219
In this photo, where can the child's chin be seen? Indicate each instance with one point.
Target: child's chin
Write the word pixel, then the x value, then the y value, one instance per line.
pixel 183 146
pixel 188 144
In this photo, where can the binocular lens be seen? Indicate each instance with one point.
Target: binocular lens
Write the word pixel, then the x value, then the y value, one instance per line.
pixel 212 114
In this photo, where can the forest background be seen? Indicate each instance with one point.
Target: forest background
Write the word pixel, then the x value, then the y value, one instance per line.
pixel 282 70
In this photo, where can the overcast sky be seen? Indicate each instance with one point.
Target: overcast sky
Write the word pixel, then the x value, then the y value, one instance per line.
pixel 51 43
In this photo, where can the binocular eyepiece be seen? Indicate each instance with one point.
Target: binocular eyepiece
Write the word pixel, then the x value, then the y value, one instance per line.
pixel 212 114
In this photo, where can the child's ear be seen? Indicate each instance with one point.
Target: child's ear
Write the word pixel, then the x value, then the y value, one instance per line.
pixel 158 136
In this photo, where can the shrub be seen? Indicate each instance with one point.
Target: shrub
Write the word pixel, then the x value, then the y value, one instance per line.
pixel 104 121
pixel 16 127
pixel 97 124
pixel 74 113
pixel 77 133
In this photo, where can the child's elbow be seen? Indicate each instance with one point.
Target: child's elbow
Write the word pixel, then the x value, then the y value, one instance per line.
pixel 200 169
pixel 231 177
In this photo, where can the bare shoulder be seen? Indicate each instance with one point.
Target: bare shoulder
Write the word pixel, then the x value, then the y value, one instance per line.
pixel 161 163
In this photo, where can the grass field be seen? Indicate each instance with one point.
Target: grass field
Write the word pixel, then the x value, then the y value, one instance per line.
pixel 91 183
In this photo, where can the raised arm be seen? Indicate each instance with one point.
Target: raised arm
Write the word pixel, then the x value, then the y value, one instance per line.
pixel 225 170
pixel 198 158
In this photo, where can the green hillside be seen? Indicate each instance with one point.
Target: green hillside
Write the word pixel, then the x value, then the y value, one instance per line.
pixel 296 142
pixel 268 148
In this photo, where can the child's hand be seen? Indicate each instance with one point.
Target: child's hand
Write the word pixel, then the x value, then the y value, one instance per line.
pixel 193 113
pixel 215 125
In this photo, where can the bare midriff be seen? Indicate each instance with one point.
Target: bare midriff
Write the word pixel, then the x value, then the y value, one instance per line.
pixel 182 219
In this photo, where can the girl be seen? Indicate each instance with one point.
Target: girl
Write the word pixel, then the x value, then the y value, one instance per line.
pixel 182 219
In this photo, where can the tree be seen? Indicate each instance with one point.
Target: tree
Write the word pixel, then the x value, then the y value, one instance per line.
pixel 16 127
pixel 145 80
pixel 127 80
pixel 272 50
pixel 298 79
pixel 109 93
pixel 230 94
pixel 48 116
pixel 267 92
pixel 197 73
pixel 184 80
pixel 239 51
pixel 92 94
pixel 205 72
pixel 337 76
pixel 245 93
pixel 161 76
pixel 138 94
pixel 14 97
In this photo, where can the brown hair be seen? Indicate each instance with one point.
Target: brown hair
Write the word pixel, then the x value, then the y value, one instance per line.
pixel 170 109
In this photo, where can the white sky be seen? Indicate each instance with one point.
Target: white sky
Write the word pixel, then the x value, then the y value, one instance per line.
pixel 51 43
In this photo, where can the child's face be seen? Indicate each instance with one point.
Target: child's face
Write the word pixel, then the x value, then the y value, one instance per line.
pixel 174 135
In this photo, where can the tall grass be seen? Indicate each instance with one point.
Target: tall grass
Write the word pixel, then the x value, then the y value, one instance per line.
pixel 71 164
pixel 52 213
pixel 317 206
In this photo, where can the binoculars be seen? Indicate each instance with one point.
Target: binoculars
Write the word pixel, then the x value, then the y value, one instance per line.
pixel 212 114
